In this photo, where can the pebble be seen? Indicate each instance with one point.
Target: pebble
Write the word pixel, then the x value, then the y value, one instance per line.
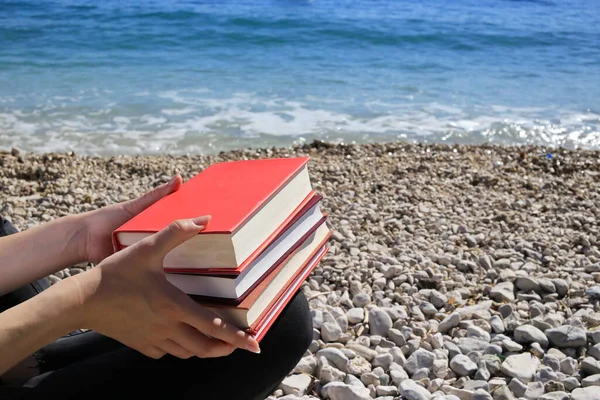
pixel 410 390
pixel 379 322
pixel 463 365
pixel 527 334
pixel 520 366
pixel 296 384
pixel 567 336
pixel 475 264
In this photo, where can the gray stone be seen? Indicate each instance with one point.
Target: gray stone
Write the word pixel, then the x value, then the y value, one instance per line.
pixel 567 336
pixel 353 381
pixel 571 383
pixel 397 337
pixel 503 292
pixel 497 324
pixel 517 387
pixel 449 322
pixel 590 366
pixel 379 322
pixel 588 393
pixel 521 366
pixel 593 292
pixel 355 315
pixel 502 392
pixel 341 391
pixel 527 284
pixel 410 390
pixel 358 366
pixel 438 299
pixel 594 351
pixel 383 360
pixel 306 365
pixel 534 390
pixel 335 358
pixel 419 359
pixel 462 394
pixel 463 365
pixel 592 380
pixel 568 366
pixel 331 332
pixel 296 384
pixel 440 368
pixel 481 394
pixel 361 300
pixel 555 396
pixel 398 376
pixel 363 351
pixel 527 334
pixel 509 345
pixel 467 345
pixel 478 333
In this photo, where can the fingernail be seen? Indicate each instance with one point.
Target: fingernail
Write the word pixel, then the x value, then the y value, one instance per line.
pixel 201 221
pixel 173 180
pixel 253 349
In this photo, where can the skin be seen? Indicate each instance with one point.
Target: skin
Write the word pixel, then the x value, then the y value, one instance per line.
pixel 126 296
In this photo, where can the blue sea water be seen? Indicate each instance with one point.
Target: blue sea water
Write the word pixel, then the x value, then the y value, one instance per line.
pixel 177 76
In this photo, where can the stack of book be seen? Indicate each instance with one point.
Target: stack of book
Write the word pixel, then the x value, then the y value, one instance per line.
pixel 266 235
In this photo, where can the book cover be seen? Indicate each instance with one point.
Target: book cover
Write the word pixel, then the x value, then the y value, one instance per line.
pixel 260 328
pixel 304 206
pixel 248 298
pixel 231 192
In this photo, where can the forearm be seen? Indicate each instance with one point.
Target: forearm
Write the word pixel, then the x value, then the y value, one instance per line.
pixel 37 252
pixel 40 320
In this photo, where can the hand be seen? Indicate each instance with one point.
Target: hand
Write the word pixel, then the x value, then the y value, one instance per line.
pixel 100 224
pixel 127 297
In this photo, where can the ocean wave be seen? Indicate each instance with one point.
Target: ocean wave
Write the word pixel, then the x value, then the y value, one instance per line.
pixel 206 125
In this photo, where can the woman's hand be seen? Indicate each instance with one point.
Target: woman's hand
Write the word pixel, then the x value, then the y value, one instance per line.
pixel 100 224
pixel 127 297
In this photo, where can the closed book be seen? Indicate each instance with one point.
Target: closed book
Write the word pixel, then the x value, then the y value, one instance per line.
pixel 249 201
pixel 259 310
pixel 234 288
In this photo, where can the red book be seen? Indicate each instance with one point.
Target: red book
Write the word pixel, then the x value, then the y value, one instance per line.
pixel 248 200
pixel 261 307
pixel 233 289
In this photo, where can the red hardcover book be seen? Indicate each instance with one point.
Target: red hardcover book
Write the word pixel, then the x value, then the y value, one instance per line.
pixel 261 307
pixel 261 327
pixel 233 289
pixel 292 228
pixel 248 200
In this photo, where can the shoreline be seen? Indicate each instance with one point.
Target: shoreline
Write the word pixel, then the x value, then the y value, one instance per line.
pixel 438 252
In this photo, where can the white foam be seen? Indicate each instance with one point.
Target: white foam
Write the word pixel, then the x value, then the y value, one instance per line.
pixel 198 123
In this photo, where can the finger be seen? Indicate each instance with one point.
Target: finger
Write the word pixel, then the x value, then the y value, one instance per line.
pixel 175 234
pixel 138 205
pixel 199 344
pixel 212 325
pixel 153 352
pixel 175 349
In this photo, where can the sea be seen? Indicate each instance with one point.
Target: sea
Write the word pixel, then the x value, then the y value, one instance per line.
pixel 197 77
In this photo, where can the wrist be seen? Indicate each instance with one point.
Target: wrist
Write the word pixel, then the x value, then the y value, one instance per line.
pixel 83 224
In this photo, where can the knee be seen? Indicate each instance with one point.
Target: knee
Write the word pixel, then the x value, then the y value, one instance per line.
pixel 292 334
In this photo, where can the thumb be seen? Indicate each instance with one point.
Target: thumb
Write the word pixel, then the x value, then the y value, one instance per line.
pixel 176 233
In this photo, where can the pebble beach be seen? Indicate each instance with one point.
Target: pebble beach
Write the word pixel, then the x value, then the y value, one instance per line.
pixel 455 272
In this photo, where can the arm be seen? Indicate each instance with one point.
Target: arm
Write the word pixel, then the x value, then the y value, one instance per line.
pixel 126 297
pixel 40 251
pixel 40 320
pixel 37 252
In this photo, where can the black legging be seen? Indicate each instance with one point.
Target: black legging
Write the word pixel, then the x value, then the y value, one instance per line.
pixel 89 365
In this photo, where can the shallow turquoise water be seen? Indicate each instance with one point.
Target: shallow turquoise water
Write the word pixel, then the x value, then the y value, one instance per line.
pixel 188 77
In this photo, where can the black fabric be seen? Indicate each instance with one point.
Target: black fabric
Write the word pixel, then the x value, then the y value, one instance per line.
pixel 89 365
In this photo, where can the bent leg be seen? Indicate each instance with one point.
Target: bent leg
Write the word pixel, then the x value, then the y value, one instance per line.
pixel 242 375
